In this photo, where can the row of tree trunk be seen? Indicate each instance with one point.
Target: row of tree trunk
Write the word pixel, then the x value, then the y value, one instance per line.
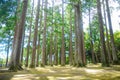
pixel 78 58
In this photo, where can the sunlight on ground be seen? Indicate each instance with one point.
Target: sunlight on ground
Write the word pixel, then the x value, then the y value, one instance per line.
pixel 93 71
pixel 64 73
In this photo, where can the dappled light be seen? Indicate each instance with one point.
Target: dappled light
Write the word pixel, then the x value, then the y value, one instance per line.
pixel 63 73
pixel 93 71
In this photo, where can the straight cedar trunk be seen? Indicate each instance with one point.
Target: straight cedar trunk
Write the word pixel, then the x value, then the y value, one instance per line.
pixel 43 62
pixel 51 39
pixel 63 59
pixel 114 54
pixel 91 42
pixel 82 38
pixel 8 46
pixel 29 38
pixel 70 43
pixel 15 64
pixel 56 50
pixel 107 36
pixel 22 47
pixel 51 51
pixel 81 48
pixel 102 38
pixel 32 65
pixel 39 35
pixel 16 29
pixel 76 39
pixel 79 62
pixel 38 51
pixel 56 59
pixel 59 55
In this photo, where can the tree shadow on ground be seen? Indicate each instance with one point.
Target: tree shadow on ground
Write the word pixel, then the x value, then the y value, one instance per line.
pixel 62 73
pixel 4 76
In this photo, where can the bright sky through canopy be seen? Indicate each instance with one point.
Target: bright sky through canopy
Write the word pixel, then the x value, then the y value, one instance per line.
pixel 115 16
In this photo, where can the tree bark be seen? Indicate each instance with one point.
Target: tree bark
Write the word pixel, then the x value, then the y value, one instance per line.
pixel 114 55
pixel 80 41
pixel 91 41
pixel 15 30
pixel 29 38
pixel 107 36
pixel 32 65
pixel 8 46
pixel 76 38
pixel 70 43
pixel 56 50
pixel 44 37
pixel 22 47
pixel 102 38
pixel 63 59
pixel 39 35
pixel 15 64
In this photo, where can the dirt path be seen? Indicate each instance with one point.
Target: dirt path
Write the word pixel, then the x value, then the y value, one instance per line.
pixel 63 73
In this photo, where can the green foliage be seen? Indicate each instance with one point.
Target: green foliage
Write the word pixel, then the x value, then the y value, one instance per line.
pixel 117 42
pixel 88 4
pixel 7 8
pixel 7 20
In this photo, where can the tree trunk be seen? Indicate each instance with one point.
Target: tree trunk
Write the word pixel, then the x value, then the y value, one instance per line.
pixel 70 43
pixel 29 38
pixel 39 34
pixel 44 37
pixel 81 48
pixel 63 59
pixel 22 47
pixel 51 39
pixel 56 50
pixel 32 65
pixel 15 30
pixel 38 51
pixel 107 36
pixel 8 46
pixel 15 64
pixel 82 38
pixel 76 39
pixel 102 38
pixel 91 41
pixel 114 55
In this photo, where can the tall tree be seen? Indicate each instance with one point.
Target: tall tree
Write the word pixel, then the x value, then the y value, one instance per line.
pixel 80 34
pixel 76 39
pixel 107 33
pixel 15 63
pixel 39 36
pixel 8 49
pixel 91 40
pixel 43 62
pixel 17 20
pixel 55 50
pixel 102 38
pixel 22 47
pixel 29 37
pixel 32 65
pixel 114 55
pixel 51 38
pixel 70 43
pixel 63 59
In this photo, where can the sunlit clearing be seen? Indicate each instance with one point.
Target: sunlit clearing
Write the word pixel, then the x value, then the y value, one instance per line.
pixel 91 71
pixel 23 77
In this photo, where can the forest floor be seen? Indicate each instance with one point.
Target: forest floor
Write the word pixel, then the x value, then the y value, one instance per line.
pixel 91 72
